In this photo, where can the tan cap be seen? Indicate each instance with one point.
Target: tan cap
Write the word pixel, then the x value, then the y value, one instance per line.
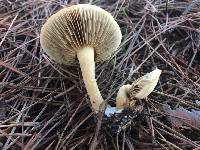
pixel 72 28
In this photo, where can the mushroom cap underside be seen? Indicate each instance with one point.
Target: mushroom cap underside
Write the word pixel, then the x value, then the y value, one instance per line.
pixel 78 26
pixel 143 86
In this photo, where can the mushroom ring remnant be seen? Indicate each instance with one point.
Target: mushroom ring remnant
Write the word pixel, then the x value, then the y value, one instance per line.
pixel 86 32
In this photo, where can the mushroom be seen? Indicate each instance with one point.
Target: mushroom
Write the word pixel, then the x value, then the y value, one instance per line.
pixel 139 89
pixel 85 32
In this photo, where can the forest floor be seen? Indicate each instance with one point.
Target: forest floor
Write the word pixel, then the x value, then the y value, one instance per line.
pixel 44 105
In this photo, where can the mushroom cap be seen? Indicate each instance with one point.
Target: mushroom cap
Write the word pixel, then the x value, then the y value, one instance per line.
pixel 143 86
pixel 78 26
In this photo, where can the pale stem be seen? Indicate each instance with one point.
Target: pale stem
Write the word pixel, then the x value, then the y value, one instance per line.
pixel 122 99
pixel 87 64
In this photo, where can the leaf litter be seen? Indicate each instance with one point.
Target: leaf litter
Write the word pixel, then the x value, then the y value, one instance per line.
pixel 44 105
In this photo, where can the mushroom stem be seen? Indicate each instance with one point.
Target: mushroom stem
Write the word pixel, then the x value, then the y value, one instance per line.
pixel 122 100
pixel 86 59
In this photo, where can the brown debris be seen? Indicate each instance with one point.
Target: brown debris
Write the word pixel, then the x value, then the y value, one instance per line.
pixel 46 103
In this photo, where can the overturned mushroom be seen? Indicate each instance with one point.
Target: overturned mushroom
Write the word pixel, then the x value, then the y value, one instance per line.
pixel 139 89
pixel 82 31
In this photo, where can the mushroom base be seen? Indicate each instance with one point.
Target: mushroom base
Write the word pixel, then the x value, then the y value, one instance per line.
pixel 112 110
pixel 121 121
